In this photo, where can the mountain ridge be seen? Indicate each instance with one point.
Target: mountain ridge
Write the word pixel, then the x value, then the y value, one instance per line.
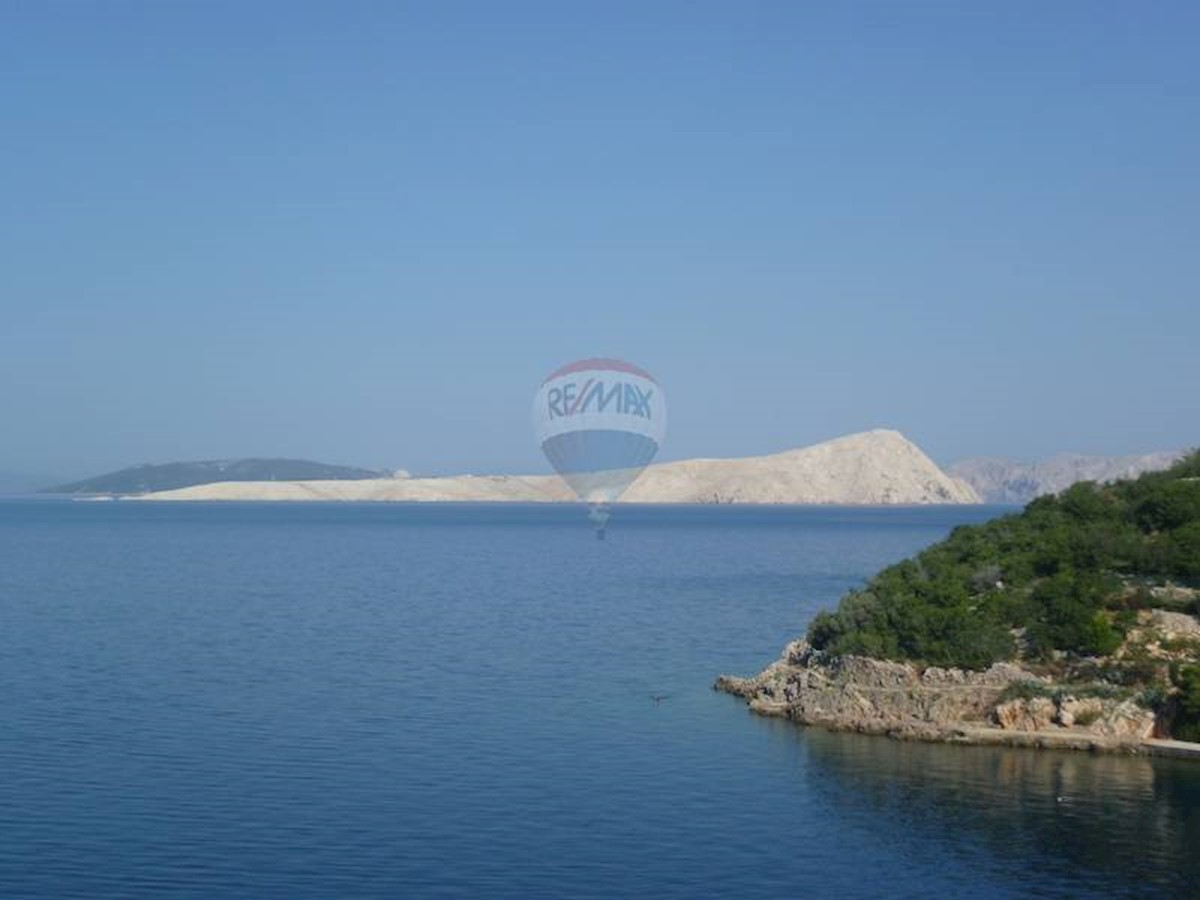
pixel 151 477
pixel 872 467
pixel 1001 480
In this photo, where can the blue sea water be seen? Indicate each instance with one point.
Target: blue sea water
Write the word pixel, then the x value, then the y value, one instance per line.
pixel 335 700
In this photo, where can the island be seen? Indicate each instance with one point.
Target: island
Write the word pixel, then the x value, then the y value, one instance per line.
pixel 150 477
pixel 1070 624
pixel 872 467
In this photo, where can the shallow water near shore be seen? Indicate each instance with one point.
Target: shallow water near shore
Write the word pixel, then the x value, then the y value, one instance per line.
pixel 286 700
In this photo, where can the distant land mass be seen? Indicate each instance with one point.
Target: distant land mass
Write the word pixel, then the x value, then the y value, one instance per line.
pixel 171 476
pixel 874 467
pixel 999 480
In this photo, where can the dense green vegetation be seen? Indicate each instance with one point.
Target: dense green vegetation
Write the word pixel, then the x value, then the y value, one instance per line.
pixel 1061 579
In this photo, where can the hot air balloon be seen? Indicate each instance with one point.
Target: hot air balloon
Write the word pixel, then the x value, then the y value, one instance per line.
pixel 600 423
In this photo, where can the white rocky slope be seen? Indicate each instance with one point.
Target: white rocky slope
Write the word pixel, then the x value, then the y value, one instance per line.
pixel 874 467
pixel 999 480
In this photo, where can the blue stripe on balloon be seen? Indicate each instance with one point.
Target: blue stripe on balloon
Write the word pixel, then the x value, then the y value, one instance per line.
pixel 598 450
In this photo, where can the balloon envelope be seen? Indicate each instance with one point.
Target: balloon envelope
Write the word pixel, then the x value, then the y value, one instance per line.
pixel 600 423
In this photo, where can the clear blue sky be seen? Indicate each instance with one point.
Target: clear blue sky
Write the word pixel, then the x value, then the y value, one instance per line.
pixel 364 232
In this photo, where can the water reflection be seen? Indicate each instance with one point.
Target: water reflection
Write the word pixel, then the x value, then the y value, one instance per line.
pixel 1085 824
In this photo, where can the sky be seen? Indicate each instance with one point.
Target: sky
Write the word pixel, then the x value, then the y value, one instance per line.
pixel 365 232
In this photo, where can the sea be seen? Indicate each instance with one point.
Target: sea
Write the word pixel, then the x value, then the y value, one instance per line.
pixel 394 700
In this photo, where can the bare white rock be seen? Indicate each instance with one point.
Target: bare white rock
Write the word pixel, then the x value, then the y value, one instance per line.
pixel 874 467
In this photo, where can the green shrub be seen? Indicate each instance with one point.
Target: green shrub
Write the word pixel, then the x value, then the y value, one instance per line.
pixel 1185 551
pixel 1100 689
pixel 1026 690
pixel 1186 726
pixel 1056 564
pixel 1155 696
pixel 1169 505
pixel 1140 669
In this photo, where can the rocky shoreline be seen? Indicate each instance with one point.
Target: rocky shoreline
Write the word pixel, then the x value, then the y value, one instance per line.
pixel 1003 705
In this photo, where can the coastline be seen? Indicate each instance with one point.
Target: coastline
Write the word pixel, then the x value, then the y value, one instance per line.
pixel 950 706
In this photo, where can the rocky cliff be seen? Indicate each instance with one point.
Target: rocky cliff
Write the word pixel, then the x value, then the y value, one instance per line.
pixel 1006 704
pixel 999 480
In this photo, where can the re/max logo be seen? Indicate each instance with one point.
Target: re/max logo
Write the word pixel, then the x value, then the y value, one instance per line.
pixel 620 397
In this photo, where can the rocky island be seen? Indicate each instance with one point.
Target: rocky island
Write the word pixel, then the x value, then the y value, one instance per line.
pixel 872 467
pixel 1071 624
pixel 149 478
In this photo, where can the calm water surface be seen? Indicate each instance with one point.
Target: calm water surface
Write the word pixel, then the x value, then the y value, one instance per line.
pixel 394 701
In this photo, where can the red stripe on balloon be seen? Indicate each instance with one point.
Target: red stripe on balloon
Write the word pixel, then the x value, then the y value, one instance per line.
pixel 602 364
